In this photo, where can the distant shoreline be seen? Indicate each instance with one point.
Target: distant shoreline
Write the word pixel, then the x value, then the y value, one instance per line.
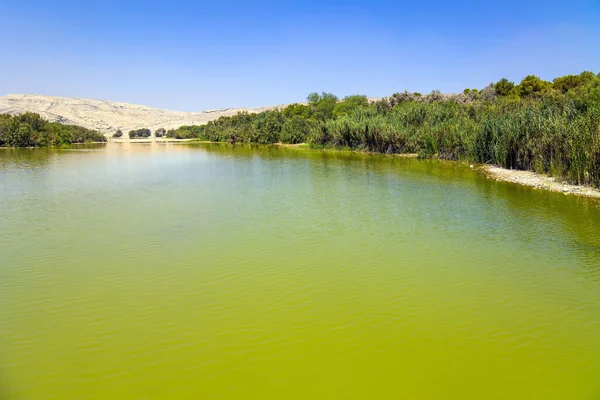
pixel 148 140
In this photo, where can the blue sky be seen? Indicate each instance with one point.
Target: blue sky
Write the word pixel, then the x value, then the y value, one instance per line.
pixel 196 55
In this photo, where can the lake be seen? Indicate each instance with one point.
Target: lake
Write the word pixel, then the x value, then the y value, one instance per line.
pixel 203 271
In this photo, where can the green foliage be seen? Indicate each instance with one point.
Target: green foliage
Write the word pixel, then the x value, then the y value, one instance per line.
pixel 503 87
pixel 140 133
pixel 322 105
pixel 31 130
pixel 300 110
pixel 268 126
pixel 160 132
pixel 186 132
pixel 118 134
pixel 350 104
pixel 566 83
pixel 238 128
pixel 532 126
pixel 531 85
pixel 295 130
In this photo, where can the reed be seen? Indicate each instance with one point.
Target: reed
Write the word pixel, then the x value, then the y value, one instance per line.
pixel 530 126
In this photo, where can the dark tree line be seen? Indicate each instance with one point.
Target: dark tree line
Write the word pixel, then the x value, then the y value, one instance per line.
pixel 31 130
pixel 140 133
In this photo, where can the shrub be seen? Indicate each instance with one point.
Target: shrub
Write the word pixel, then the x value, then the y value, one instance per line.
pixel 140 133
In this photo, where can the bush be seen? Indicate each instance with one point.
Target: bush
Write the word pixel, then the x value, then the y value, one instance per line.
pixel 140 133
pixel 295 130
pixel 350 104
pixel 531 85
pixel 503 87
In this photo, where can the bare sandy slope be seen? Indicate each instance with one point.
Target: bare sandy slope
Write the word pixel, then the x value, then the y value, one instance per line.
pixel 106 116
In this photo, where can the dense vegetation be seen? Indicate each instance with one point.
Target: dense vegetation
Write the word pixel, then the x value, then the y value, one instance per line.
pixel 186 132
pixel 548 127
pixel 31 130
pixel 140 133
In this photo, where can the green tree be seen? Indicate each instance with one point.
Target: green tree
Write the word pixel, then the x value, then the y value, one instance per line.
pixel 268 126
pixel 322 105
pixel 295 130
pixel 7 125
pixel 349 104
pixel 22 136
pixel 532 85
pixel 30 129
pixel 140 133
pixel 503 87
pixel 35 121
pixel 568 82
pixel 118 134
pixel 300 110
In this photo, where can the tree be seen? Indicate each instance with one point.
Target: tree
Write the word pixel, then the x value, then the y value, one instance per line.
pixel 160 132
pixel 292 110
pixel 322 105
pixel 22 136
pixel 118 134
pixel 568 82
pixel 532 85
pixel 295 130
pixel 349 104
pixel 31 130
pixel 503 87
pixel 268 127
pixel 171 133
pixel 34 120
pixel 140 133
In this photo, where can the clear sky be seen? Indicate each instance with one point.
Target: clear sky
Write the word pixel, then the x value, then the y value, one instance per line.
pixel 196 55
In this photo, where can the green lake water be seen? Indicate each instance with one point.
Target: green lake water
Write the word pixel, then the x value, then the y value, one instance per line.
pixel 173 271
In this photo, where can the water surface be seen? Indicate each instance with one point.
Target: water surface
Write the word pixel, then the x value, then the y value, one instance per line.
pixel 177 271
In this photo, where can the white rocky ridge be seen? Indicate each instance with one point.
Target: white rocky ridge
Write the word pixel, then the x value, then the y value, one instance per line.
pixel 106 116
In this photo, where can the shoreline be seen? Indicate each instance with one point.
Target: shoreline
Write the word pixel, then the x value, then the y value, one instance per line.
pixel 538 181
pixel 523 178
pixel 148 140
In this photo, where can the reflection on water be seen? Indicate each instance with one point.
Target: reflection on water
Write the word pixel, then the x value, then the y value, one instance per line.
pixel 211 271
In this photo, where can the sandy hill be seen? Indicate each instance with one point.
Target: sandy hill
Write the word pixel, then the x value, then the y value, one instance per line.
pixel 106 116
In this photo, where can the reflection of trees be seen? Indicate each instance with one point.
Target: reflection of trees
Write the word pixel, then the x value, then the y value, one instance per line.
pixel 25 157
pixel 560 225
pixel 569 224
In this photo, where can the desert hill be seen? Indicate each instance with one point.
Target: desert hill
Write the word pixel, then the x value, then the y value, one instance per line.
pixel 106 116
